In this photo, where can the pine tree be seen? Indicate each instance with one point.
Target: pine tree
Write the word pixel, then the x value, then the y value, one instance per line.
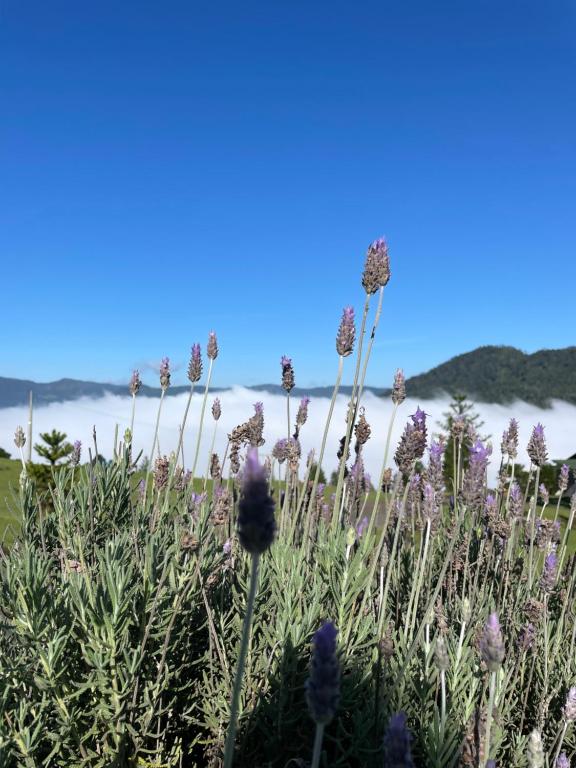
pixel 461 408
pixel 56 448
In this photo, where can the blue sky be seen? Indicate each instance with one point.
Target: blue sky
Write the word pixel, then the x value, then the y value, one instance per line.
pixel 171 168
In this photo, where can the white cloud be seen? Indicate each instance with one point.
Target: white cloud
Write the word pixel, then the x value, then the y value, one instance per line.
pixel 78 417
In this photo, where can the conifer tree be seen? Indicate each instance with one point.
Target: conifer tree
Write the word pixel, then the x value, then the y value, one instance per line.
pixel 56 447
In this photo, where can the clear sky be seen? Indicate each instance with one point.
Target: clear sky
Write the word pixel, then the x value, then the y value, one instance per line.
pixel 168 168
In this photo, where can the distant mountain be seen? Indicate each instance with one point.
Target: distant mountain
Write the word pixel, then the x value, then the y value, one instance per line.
pixel 501 375
pixel 17 391
pixel 487 374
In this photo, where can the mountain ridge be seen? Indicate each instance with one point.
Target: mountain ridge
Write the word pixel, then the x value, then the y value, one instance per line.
pixel 493 374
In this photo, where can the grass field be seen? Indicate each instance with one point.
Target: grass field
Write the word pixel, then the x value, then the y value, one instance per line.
pixel 10 523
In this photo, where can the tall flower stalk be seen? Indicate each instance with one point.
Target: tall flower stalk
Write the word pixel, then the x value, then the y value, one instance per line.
pixel 256 530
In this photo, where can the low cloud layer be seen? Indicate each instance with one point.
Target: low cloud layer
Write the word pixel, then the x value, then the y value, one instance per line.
pixel 77 418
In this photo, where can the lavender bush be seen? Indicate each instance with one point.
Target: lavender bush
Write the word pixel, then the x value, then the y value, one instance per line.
pixel 153 621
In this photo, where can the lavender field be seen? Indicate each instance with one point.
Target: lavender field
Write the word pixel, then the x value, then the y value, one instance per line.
pixel 417 611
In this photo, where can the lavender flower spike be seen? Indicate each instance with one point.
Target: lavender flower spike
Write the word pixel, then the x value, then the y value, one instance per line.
pixel 287 373
pixel 19 437
pixel 562 761
pixel 195 364
pixel 570 705
pixel 397 752
pixel 216 409
pixel 563 478
pixel 75 456
pixel 548 579
pixel 377 267
pixel 536 447
pixel 165 373
pixel 212 346
pixel 323 685
pixel 492 644
pixel 399 387
pixel 256 523
pixel 346 333
pixel 135 383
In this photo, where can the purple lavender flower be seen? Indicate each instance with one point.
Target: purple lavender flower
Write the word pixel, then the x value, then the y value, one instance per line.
pixel 280 450
pixel 509 444
pixel 562 761
pixel 435 471
pixel 346 333
pixel 361 527
pixel 377 268
pixel 570 705
pixel 323 685
pixel 430 506
pixel 563 477
pixel 302 414
pixel 135 383
pixel 492 644
pixel 548 579
pixel 475 477
pixel 165 373
pixel 216 409
pixel 397 751
pixel 212 346
pixel 195 364
pixel 399 387
pixel 256 523
pixel 516 502
pixel 536 448
pixel 287 373
pixel 544 495
pixel 490 763
pixel 76 453
pixel 227 547
pixel 412 443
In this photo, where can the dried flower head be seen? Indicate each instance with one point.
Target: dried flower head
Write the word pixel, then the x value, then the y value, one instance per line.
pixel 302 414
pixel 535 750
pixel 441 654
pixel 399 387
pixel 397 751
pixel 212 346
pixel 536 447
pixel 377 267
pixel 323 684
pixel 287 373
pixel 362 430
pixel 216 409
pixel 135 383
pixel 161 468
pixel 195 364
pixel 256 523
pixel 165 373
pixel 346 333
pixel 19 437
pixel 492 644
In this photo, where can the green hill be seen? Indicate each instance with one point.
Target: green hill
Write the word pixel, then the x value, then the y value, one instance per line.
pixel 501 375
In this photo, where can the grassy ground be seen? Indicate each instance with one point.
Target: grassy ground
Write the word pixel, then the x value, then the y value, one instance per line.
pixel 9 520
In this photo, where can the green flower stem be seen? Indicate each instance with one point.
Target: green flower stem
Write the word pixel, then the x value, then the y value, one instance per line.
pixel 532 514
pixel 318 738
pixel 491 697
pixel 418 582
pixel 351 415
pixel 381 478
pixel 231 735
pixel 132 415
pixel 154 441
pixel 202 411
pixel 325 435
pixel 183 425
